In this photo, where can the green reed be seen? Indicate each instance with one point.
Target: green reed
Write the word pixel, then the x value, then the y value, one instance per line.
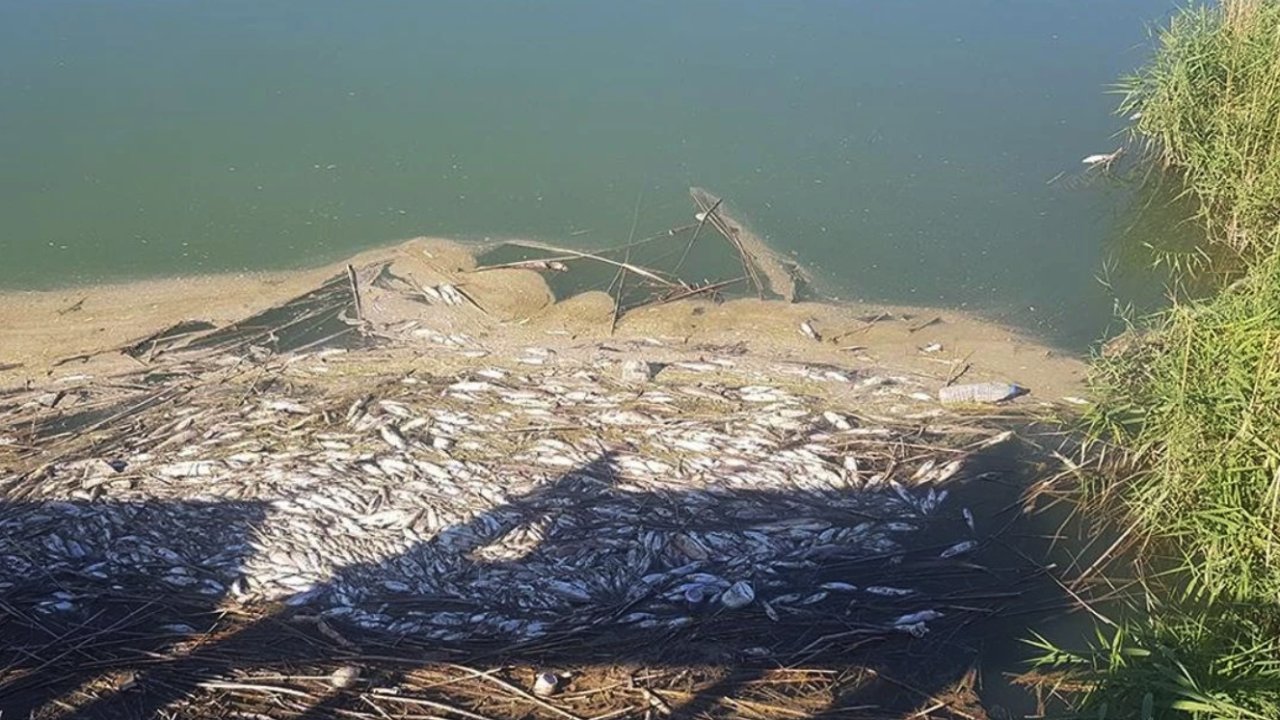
pixel 1208 106
pixel 1188 413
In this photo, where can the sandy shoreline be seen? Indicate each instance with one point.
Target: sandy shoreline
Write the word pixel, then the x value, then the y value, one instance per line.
pixel 40 328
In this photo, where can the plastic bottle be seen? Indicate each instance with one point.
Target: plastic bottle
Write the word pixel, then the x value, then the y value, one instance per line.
pixel 989 392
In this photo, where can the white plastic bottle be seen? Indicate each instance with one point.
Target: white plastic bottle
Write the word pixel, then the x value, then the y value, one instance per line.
pixel 989 392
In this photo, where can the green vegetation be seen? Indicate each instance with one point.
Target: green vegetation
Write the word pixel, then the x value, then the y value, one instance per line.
pixel 1175 663
pixel 1189 410
pixel 1193 410
pixel 1196 406
pixel 1208 105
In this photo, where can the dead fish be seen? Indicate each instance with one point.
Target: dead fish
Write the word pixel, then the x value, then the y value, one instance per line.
pixel 837 420
pixel 1103 159
pixel 923 470
pixel 838 587
pixel 450 294
pixel 345 677
pixel 922 616
pixel 739 595
pixel 809 331
pixel 414 424
pixel 946 472
pixel 287 406
pixel 996 439
pixel 917 630
pixel 959 548
pixel 769 611
pixel 696 594
pixel 575 591
pixel 357 408
pixel 397 409
pixel 391 435
pixel 190 468
pixel 886 591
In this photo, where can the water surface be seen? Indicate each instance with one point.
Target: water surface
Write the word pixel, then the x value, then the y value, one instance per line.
pixel 902 150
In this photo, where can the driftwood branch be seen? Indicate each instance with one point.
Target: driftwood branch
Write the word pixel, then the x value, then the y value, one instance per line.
pixel 642 272
pixel 355 292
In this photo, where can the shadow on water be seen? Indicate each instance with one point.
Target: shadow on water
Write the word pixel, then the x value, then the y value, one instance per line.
pixel 69 624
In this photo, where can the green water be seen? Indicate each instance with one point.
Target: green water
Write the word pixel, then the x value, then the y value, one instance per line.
pixel 900 149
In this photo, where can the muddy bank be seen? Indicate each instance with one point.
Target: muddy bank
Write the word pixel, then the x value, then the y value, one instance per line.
pixel 39 331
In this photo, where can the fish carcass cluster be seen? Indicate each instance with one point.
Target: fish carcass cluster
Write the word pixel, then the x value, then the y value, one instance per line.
pixel 499 503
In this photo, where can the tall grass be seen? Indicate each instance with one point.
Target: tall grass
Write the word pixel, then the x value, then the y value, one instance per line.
pixel 1196 409
pixel 1209 664
pixel 1208 105
pixel 1193 407
pixel 1193 410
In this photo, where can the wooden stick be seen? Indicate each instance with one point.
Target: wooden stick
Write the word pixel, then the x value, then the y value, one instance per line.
pixel 626 260
pixel 699 290
pixel 698 231
pixel 355 292
pixel 964 366
pixel 273 689
pixel 431 704
pixel 642 272
pixel 467 296
pixel 537 264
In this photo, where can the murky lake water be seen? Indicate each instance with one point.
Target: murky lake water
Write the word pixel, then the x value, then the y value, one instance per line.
pixel 902 150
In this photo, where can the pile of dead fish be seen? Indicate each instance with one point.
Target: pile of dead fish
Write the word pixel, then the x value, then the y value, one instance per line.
pixel 502 503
